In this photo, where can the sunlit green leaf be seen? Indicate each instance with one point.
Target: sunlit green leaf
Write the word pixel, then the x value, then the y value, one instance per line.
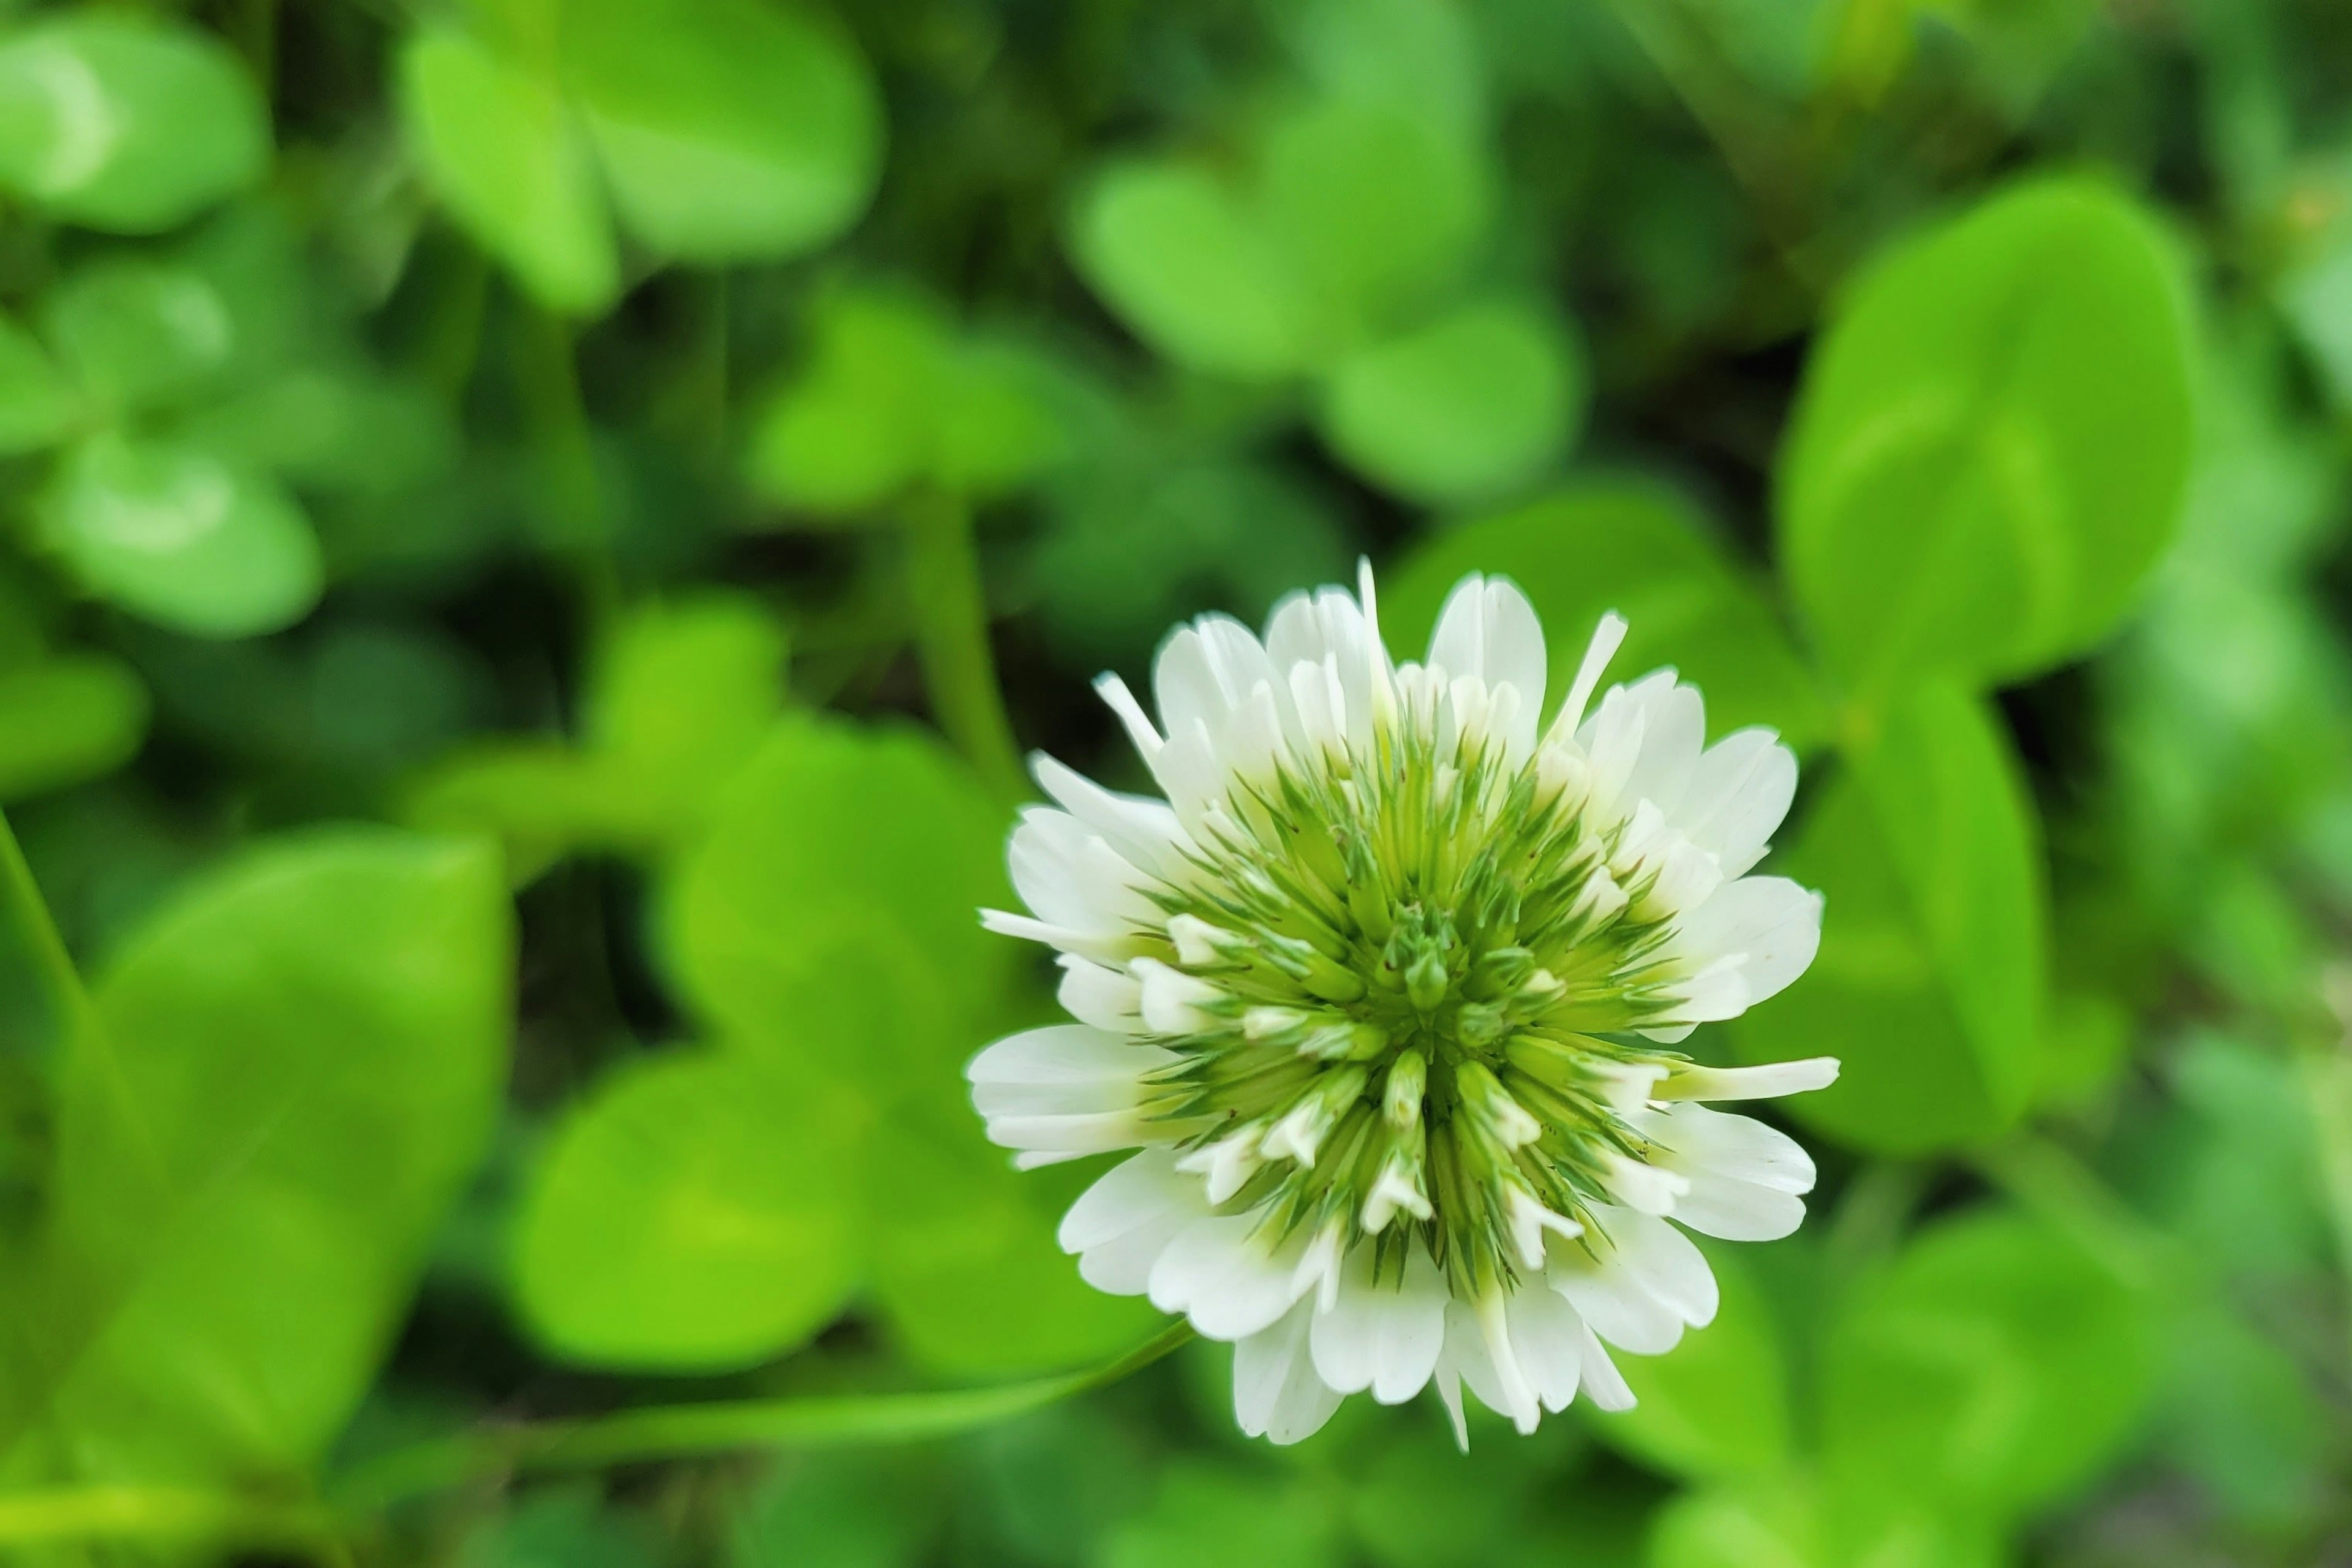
pixel 967 1269
pixel 829 914
pixel 125 123
pixel 1377 206
pixel 728 131
pixel 695 1213
pixel 1172 249
pixel 1636 549
pixel 1993 1366
pixel 66 720
pixel 857 427
pixel 1928 987
pixel 134 333
pixel 1476 403
pixel 501 149
pixel 1990 446
pixel 1206 1511
pixel 303 1056
pixel 174 533
pixel 36 406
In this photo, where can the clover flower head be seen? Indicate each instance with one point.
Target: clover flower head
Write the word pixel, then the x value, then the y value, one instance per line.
pixel 1384 991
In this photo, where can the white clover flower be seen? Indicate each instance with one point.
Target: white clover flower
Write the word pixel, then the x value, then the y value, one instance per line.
pixel 1381 993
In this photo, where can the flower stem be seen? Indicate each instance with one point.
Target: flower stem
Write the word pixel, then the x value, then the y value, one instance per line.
pixel 951 639
pixel 165 1513
pixel 679 1431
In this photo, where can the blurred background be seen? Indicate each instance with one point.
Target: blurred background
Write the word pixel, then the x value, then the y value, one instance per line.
pixel 538 531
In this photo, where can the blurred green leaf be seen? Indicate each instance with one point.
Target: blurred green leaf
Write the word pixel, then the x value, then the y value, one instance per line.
pixel 1990 446
pixel 967 1271
pixel 1793 1522
pixel 829 916
pixel 135 333
pixel 1206 1512
pixel 174 533
pixel 303 1061
pixel 66 720
pixel 695 1213
pixel 1377 208
pixel 1474 404
pixel 892 398
pixel 563 1527
pixel 125 123
pixel 682 694
pixel 838 1511
pixel 1929 984
pixel 1992 1366
pixel 1418 58
pixel 36 406
pixel 500 148
pixel 728 131
pixel 1717 1406
pixel 1171 249
pixel 1637 548
pixel 1054 1483
pixel 2241 1416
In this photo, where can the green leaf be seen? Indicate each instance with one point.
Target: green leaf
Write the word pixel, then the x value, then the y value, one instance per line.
pixel 840 1511
pixel 1993 1366
pixel 684 693
pixel 1173 251
pixel 829 916
pixel 1474 404
pixel 66 720
pixel 1378 206
pixel 1991 443
pixel 36 406
pixel 1715 1407
pixel 302 1058
pixel 1638 548
pixel 696 1213
pixel 1794 1522
pixel 1207 1513
pixel 857 427
pixel 126 123
pixel 175 534
pixel 137 333
pixel 499 147
pixel 1929 984
pixel 562 1527
pixel 967 1269
pixel 728 131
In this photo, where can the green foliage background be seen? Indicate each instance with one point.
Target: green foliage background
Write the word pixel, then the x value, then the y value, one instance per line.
pixel 538 531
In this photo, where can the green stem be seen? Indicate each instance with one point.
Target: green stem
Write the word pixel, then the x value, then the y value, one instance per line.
pixel 548 373
pixel 2049 1179
pixel 53 984
pixel 680 1431
pixel 2326 1062
pixel 951 639
pixel 164 1514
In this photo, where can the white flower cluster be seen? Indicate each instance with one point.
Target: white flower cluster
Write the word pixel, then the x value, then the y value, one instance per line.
pixel 1381 992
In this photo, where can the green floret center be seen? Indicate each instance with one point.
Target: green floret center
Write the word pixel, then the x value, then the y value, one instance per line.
pixel 1428 977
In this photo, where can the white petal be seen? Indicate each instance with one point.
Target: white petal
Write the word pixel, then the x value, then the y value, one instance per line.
pixel 1122 1223
pixel 1740 1211
pixel 1105 999
pixel 1218 1274
pixel 1548 1341
pixel 1663 1261
pixel 1769 1081
pixel 1604 1385
pixel 1489 632
pixel 1738 794
pixel 1674 728
pixel 1608 635
pixel 1131 716
pixel 1276 1394
pixel 1066 1091
pixel 1775 923
pixel 1063 1054
pixel 1383 1335
pixel 1145 832
pixel 1702 1142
